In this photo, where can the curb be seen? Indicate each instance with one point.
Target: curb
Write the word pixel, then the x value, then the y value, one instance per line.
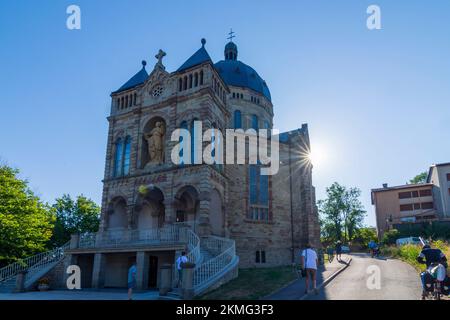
pixel 327 280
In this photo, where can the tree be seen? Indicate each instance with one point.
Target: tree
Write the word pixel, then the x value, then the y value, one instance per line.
pixel 330 210
pixel 420 178
pixel 389 237
pixel 364 235
pixel 25 222
pixel 79 216
pixel 342 213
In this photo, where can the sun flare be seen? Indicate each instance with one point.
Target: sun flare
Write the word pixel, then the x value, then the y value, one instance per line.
pixel 317 156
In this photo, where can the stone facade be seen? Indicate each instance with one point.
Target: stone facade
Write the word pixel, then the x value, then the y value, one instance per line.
pixel 140 194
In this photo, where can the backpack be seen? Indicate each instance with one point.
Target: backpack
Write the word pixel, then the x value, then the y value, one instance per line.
pixel 428 280
pixel 446 286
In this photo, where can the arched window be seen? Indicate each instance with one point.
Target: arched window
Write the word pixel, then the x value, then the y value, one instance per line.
pixel 255 122
pixel 126 156
pixel 126 101
pixel 253 174
pixel 195 79
pixel 118 158
pixel 135 98
pixel 180 84
pixel 183 125
pixel 263 189
pixel 185 83
pixel 118 103
pixel 259 193
pixel 237 119
pixel 122 102
pixel 131 100
pixel 190 81
pixel 194 133
pixel 201 77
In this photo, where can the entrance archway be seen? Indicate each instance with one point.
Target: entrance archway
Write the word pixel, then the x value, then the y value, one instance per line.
pixel 186 204
pixel 150 209
pixel 117 214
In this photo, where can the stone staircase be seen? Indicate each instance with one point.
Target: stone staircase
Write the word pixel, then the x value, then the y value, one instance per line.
pixel 8 286
pixel 36 267
pixel 215 259
pixel 218 264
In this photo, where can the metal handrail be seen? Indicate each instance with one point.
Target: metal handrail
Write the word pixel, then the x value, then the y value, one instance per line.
pixel 212 268
pixel 33 264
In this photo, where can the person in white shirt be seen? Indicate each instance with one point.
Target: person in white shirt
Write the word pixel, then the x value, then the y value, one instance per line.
pixel 181 259
pixel 310 262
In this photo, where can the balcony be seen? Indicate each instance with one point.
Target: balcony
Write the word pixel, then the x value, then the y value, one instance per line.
pixel 167 236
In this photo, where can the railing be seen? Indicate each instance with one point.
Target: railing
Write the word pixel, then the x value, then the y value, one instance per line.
pixel 210 271
pixel 193 255
pixel 33 264
pixel 118 238
pixel 193 244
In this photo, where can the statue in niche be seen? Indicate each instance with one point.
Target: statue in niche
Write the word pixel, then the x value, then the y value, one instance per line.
pixel 155 141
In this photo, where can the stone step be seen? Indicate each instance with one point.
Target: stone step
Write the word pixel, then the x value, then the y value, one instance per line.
pixel 8 286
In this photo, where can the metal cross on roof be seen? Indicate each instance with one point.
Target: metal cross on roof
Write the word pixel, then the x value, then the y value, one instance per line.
pixel 231 35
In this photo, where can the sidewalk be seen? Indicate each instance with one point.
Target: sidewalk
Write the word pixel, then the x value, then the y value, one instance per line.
pixel 296 289
pixel 80 295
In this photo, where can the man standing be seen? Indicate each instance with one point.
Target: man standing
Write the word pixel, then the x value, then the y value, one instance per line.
pixel 131 279
pixel 180 261
pixel 338 250
pixel 310 262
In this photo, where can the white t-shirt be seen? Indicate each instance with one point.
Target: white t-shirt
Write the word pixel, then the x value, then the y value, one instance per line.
pixel 180 260
pixel 310 259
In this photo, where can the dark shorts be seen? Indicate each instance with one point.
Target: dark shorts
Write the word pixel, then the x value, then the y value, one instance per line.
pixel 132 285
pixel 180 274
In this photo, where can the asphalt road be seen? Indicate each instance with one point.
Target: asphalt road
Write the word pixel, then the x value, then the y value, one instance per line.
pixel 397 281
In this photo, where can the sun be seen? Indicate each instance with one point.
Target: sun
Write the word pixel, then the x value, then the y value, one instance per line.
pixel 317 155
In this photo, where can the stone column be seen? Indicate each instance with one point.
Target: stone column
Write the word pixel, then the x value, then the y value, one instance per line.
pixel 169 211
pixel 20 282
pixel 187 284
pixel 142 266
pixel 98 272
pixel 204 226
pixel 70 260
pixel 74 240
pixel 166 279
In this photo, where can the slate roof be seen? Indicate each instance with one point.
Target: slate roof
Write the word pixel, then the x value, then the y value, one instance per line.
pixel 137 79
pixel 200 56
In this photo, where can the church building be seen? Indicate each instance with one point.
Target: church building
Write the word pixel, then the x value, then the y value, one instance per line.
pixel 225 216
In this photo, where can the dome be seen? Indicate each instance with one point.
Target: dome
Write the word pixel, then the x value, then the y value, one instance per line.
pixel 237 73
pixel 231 46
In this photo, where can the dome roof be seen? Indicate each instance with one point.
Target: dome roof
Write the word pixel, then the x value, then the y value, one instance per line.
pixel 237 73
pixel 231 46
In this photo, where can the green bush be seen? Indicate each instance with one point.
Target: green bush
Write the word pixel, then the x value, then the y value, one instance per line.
pixel 389 237
pixel 409 252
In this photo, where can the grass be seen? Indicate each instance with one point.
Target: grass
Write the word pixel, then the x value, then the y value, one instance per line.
pixel 252 284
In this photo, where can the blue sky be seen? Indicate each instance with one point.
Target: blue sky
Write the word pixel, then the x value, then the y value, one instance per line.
pixel 376 102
